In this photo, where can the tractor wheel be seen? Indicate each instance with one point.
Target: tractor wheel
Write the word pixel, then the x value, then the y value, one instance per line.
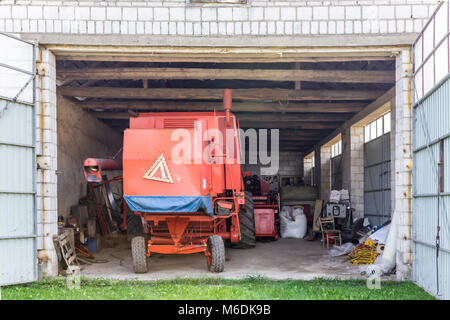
pixel 134 225
pixel 139 253
pixel 247 225
pixel 216 258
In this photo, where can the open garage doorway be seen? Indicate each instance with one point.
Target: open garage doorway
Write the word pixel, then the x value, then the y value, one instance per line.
pixel 306 98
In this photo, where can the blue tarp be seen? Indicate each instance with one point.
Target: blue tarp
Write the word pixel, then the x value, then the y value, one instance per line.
pixel 160 204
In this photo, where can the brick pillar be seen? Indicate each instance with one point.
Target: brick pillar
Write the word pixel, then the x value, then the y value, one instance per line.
pixel 357 170
pixel 325 172
pixel 346 145
pixel 402 159
pixel 353 167
pixel 46 153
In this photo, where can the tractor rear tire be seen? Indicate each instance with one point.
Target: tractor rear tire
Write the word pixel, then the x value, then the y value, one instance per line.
pixel 216 248
pixel 247 225
pixel 139 253
pixel 134 225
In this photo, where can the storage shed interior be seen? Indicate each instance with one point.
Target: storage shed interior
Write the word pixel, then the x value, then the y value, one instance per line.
pixel 307 99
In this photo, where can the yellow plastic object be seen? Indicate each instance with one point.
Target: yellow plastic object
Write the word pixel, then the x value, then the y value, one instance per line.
pixel 366 254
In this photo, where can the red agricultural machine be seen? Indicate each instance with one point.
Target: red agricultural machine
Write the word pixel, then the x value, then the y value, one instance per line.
pixel 183 186
pixel 266 207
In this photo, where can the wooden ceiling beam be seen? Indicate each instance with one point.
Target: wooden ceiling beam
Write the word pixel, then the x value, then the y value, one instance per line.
pixel 217 94
pixel 297 117
pixel 300 138
pixel 303 133
pixel 229 58
pixel 261 117
pixel 290 125
pixel 335 76
pixel 320 107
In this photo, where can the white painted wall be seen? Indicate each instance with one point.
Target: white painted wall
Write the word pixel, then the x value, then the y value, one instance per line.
pixel 179 17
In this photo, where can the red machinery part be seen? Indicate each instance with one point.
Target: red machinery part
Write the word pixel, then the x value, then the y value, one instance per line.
pixel 93 168
pixel 265 224
pixel 227 105
pixel 266 216
pixel 178 200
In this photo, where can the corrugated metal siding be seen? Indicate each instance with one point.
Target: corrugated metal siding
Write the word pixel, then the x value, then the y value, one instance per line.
pixel 436 112
pixel 377 180
pixel 431 130
pixel 431 124
pixel 18 261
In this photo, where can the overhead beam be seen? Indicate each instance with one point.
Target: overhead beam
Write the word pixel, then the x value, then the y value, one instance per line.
pixel 297 117
pixel 321 107
pixel 381 101
pixel 290 125
pixel 299 138
pixel 263 117
pixel 341 76
pixel 304 133
pixel 212 59
pixel 217 94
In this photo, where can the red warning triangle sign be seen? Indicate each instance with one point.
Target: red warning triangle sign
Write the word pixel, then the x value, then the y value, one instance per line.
pixel 160 166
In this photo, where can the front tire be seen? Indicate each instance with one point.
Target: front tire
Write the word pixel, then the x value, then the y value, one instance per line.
pixel 134 225
pixel 139 253
pixel 216 258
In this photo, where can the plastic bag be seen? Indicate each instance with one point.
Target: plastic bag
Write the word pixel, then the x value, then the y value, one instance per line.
pixel 337 251
pixel 286 211
pixel 335 196
pixel 344 195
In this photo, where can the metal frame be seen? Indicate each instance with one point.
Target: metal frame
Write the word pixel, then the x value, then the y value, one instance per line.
pixel 419 68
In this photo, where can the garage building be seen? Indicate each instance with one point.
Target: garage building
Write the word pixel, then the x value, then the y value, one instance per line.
pixel 347 84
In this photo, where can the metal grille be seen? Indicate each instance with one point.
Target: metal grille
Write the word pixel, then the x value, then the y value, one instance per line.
pixel 179 123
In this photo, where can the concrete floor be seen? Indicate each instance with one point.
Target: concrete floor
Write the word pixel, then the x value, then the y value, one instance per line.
pixel 282 259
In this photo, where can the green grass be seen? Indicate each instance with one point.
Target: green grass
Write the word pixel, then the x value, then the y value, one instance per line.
pixel 198 289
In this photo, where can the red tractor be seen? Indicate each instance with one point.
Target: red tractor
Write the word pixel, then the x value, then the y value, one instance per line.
pixel 183 186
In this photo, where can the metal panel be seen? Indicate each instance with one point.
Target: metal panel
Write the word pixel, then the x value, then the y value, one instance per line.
pixel 431 208
pixel 377 180
pixel 18 260
pixel 435 111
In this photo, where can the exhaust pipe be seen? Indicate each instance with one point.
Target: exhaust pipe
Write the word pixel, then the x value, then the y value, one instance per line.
pixel 227 104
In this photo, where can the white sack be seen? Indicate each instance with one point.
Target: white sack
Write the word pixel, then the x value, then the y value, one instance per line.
pixel 293 225
pixel 381 234
pixel 335 196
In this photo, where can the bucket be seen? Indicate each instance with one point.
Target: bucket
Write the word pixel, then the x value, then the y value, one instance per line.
pixel 92 245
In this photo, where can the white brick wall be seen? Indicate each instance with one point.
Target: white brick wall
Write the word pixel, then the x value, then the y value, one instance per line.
pixel 325 172
pixel 176 17
pixel 357 170
pixel 46 151
pixel 403 165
